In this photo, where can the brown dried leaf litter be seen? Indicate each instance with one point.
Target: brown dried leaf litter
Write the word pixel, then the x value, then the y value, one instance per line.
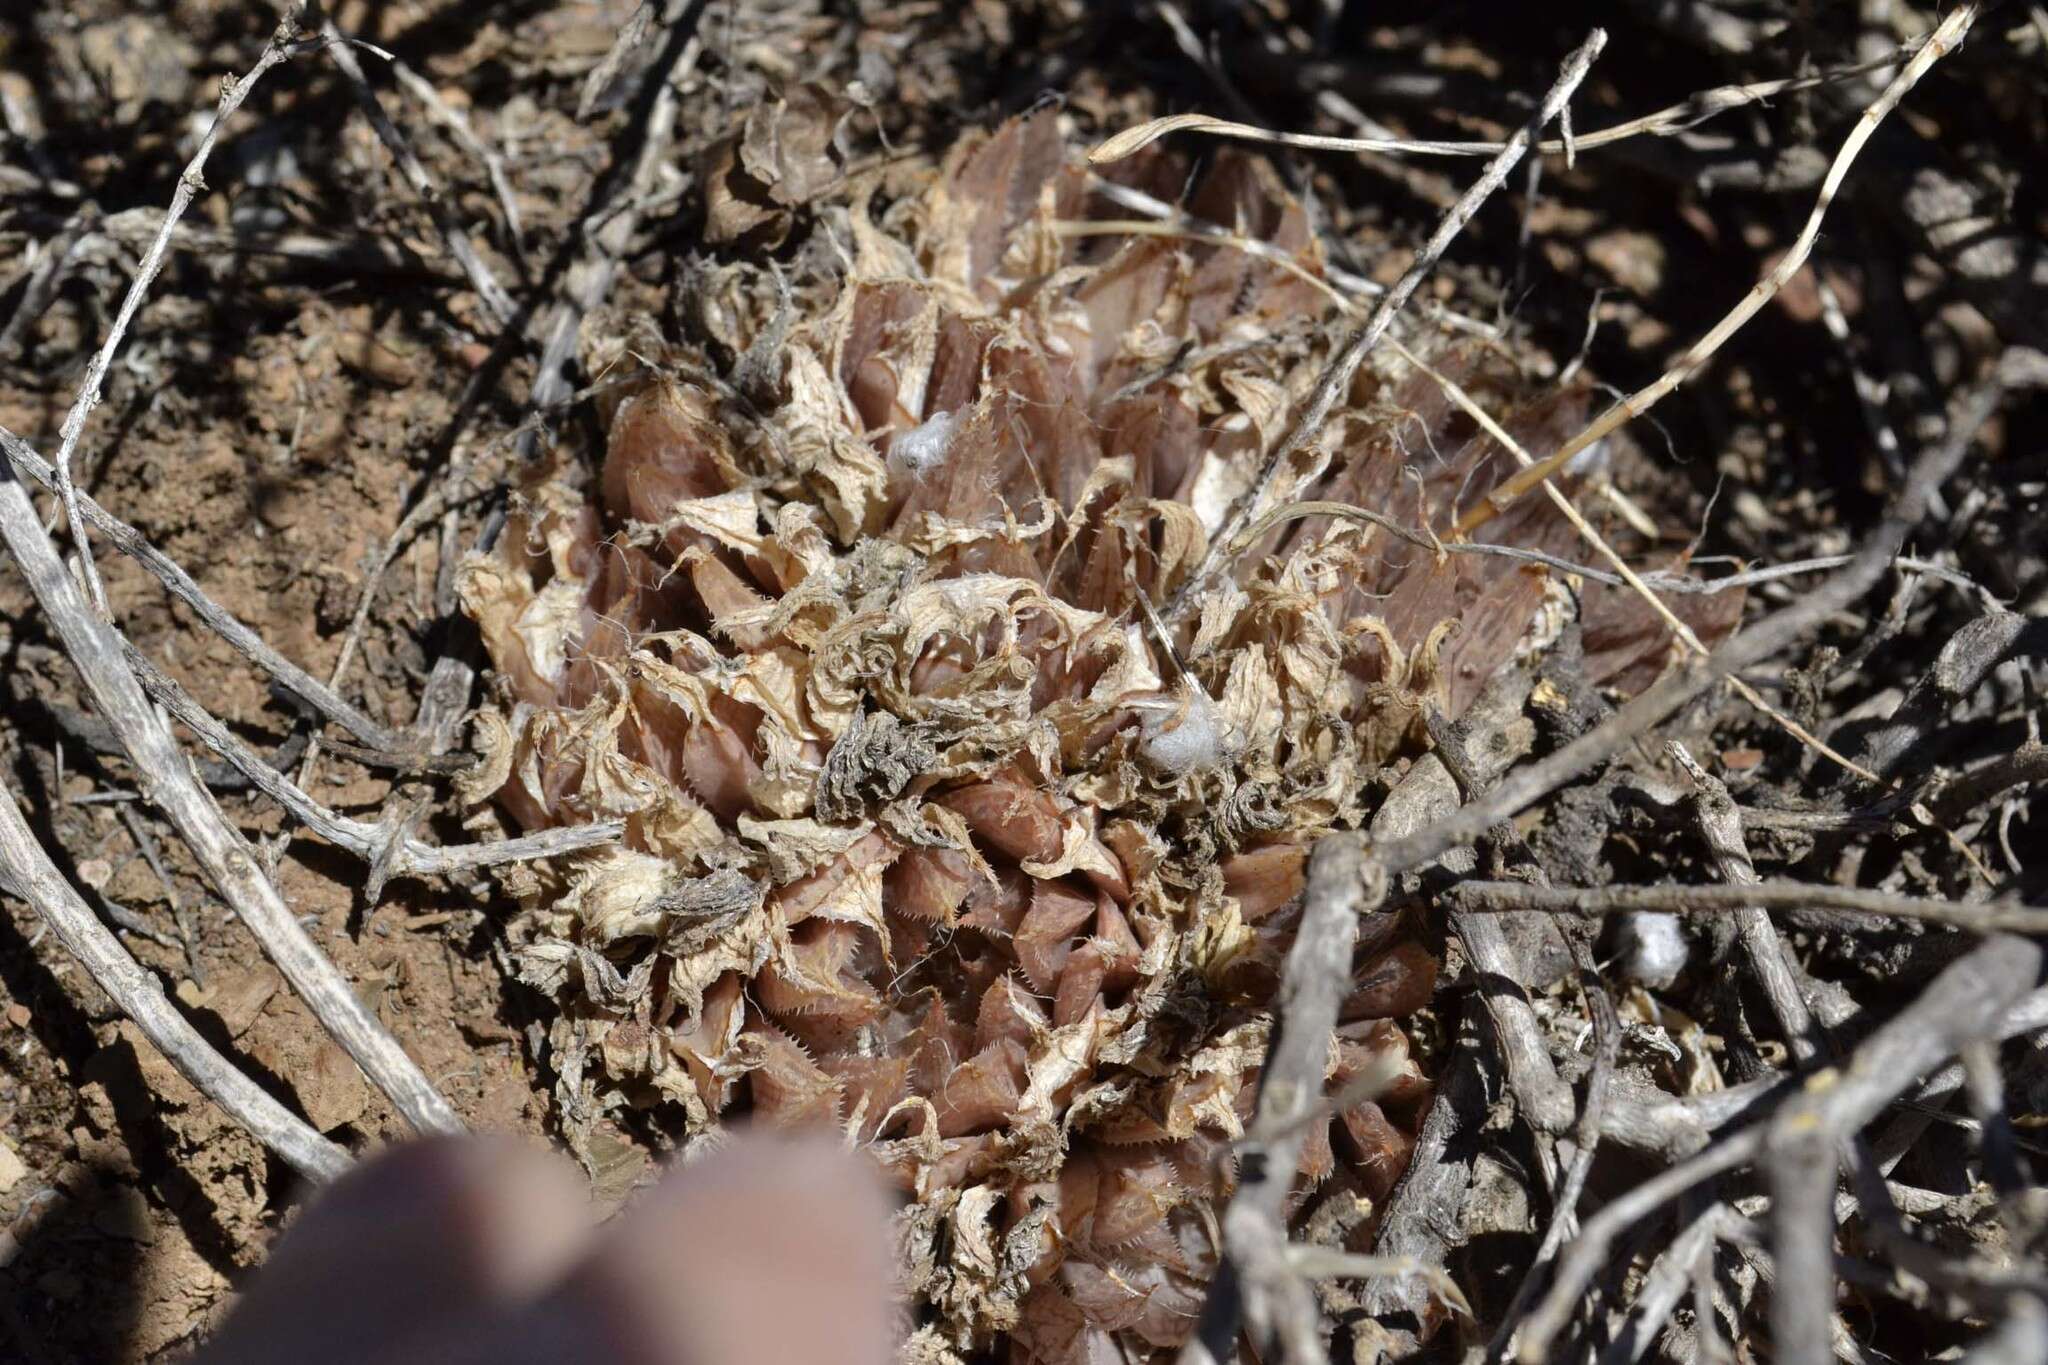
pixel 932 834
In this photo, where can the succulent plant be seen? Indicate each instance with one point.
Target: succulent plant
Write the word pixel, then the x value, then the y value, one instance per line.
pixel 937 830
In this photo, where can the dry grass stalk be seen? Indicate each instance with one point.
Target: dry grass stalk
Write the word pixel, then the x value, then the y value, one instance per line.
pixel 1945 38
pixel 1682 117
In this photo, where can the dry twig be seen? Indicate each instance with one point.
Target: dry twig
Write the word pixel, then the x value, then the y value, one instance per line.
pixel 167 781
pixel 26 872
pixel 1681 117
pixel 1939 44
pixel 1694 676
pixel 1992 917
pixel 284 40
pixel 341 51
pixel 1336 379
pixel 181 585
pixel 383 845
pixel 1258 1287
pixel 1720 824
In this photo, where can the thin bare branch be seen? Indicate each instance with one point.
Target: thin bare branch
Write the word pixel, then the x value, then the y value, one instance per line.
pixel 181 585
pixel 382 845
pixel 1992 917
pixel 1681 117
pixel 340 51
pixel 1939 44
pixel 1694 676
pixel 167 782
pixel 1262 1290
pixel 283 42
pixel 26 872
pixel 1720 825
pixel 1266 488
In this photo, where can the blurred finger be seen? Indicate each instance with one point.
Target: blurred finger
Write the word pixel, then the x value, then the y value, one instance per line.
pixel 423 1232
pixel 774 1251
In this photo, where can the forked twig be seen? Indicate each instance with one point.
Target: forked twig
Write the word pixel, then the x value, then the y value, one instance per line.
pixel 1770 962
pixel 167 781
pixel 1963 1006
pixel 1584 1257
pixel 130 542
pixel 26 871
pixel 1939 44
pixel 385 846
pixel 190 181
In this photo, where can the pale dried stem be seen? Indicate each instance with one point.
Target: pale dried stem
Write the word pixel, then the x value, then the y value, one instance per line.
pixel 1336 379
pixel 1694 676
pixel 451 118
pixel 1939 44
pixel 1260 1289
pixel 27 872
pixel 1720 826
pixel 190 181
pixel 1682 117
pixel 167 781
pixel 1964 1005
pixel 383 845
pixel 1978 917
pixel 341 51
pixel 130 542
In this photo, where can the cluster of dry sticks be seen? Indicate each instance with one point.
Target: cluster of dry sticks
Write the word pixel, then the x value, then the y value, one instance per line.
pixel 1798 1130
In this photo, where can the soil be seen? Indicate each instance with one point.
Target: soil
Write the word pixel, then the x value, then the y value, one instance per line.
pixel 273 488
pixel 271 418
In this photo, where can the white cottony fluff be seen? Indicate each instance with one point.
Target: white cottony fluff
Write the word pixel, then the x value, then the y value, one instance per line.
pixel 917 452
pixel 1590 461
pixel 1183 734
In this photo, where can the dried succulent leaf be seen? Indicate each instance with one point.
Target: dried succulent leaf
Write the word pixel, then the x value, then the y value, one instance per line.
pixel 936 834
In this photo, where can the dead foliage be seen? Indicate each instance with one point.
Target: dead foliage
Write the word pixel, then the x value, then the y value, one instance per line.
pixel 1162 678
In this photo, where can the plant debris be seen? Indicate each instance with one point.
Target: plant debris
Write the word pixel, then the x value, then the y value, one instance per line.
pixel 1351 684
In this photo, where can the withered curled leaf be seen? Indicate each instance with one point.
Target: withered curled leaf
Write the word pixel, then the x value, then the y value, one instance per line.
pixel 934 833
